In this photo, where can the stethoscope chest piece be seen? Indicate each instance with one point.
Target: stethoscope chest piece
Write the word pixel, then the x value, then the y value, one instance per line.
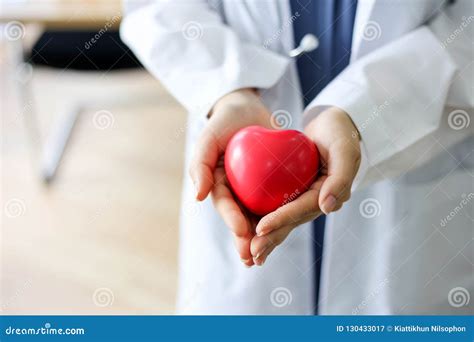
pixel 307 44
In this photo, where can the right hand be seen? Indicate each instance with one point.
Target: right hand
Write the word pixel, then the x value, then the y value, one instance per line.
pixel 232 112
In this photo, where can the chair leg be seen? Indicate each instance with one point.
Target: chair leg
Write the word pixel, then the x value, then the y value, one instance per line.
pixel 52 149
pixel 55 145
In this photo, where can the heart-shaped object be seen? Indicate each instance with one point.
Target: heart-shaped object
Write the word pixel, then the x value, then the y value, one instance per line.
pixel 269 168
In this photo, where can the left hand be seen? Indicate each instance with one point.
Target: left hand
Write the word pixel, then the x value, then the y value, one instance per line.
pixel 337 140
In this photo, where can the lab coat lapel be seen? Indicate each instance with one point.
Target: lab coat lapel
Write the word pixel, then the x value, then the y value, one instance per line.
pixel 364 15
pixel 378 22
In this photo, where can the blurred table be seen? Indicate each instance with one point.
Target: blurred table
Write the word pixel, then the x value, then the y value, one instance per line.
pixel 52 14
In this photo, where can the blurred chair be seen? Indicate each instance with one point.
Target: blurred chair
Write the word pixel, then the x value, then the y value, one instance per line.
pixel 75 35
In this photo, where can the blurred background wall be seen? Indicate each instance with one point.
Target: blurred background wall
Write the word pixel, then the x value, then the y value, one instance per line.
pixel 91 166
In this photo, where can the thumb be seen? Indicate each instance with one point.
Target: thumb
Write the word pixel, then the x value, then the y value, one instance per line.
pixel 343 163
pixel 203 164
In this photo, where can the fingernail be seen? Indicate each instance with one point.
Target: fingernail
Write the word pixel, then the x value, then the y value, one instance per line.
pixel 245 260
pixel 256 261
pixel 264 230
pixel 260 260
pixel 259 254
pixel 329 204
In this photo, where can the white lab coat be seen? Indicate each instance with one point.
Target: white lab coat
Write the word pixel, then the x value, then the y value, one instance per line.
pixel 403 244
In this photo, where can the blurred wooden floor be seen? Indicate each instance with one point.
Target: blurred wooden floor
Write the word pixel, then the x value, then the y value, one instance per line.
pixel 102 238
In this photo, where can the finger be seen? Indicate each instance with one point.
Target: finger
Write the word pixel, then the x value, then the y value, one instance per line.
pixel 343 163
pixel 262 246
pixel 235 220
pixel 233 217
pixel 203 164
pixel 302 209
pixel 242 246
pixel 228 208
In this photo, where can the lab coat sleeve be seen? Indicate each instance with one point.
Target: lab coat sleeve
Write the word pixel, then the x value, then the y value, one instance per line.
pixel 404 96
pixel 197 57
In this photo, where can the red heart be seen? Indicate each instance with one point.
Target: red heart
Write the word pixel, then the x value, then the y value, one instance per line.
pixel 269 168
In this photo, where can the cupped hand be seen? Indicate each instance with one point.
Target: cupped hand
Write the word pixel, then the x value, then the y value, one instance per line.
pixel 232 112
pixel 337 140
